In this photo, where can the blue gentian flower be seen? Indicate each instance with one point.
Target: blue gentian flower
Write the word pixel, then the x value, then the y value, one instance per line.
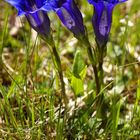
pixel 35 12
pixel 102 19
pixel 69 14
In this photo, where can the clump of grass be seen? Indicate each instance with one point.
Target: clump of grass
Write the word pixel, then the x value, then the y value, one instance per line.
pixel 31 105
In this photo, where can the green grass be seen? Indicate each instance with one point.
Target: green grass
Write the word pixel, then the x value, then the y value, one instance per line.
pixel 31 103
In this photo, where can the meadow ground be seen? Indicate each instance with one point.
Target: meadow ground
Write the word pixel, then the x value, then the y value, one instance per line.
pixel 31 101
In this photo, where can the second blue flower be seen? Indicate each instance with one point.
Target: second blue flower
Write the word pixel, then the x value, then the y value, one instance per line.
pixel 69 14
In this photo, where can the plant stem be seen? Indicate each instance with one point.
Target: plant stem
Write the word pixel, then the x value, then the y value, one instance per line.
pixel 100 67
pixel 93 62
pixel 58 66
pixel 100 103
pixel 101 53
pixel 95 71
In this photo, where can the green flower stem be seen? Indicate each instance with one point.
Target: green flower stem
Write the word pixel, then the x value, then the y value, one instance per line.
pixel 101 54
pixel 92 58
pixel 58 66
pixel 100 103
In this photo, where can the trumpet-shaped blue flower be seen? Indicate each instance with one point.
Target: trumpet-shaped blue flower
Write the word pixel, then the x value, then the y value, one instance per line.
pixel 35 12
pixel 102 19
pixel 69 14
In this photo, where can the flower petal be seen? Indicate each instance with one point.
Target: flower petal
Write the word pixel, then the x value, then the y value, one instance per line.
pixel 28 6
pixel 40 22
pixel 35 12
pixel 69 14
pixel 102 19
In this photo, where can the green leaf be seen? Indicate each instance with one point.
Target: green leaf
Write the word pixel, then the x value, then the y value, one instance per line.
pixel 78 64
pixel 78 74
pixel 138 90
pixel 77 85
